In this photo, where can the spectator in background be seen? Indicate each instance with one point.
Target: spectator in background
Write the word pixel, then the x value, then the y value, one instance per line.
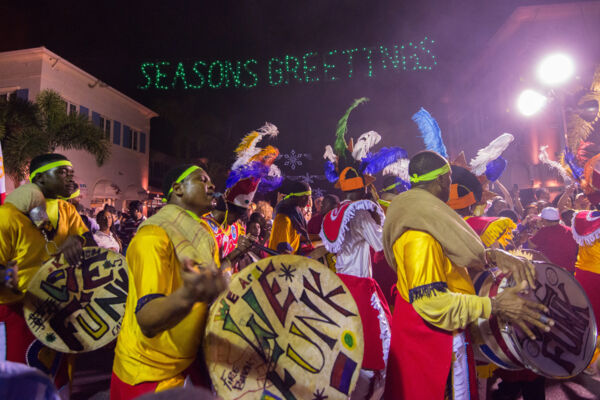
pixel 508 213
pixel 265 209
pixel 498 204
pixel 581 202
pixel 555 240
pixel 328 203
pixel 542 194
pixel 105 237
pixel 567 217
pixel 318 204
pixel 531 209
pixel 130 224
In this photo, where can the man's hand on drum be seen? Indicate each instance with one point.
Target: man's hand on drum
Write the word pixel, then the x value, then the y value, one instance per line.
pixel 202 283
pixel 520 268
pixel 511 307
pixel 9 275
pixel 244 244
pixel 72 248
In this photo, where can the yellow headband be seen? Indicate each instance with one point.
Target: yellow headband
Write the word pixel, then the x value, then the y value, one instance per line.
pixel 72 196
pixel 299 194
pixel 48 167
pixel 184 175
pixel 430 176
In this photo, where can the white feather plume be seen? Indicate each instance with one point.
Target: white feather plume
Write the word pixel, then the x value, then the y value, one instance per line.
pixel 274 170
pixel 543 156
pixel 490 153
pixel 399 169
pixel 251 140
pixel 329 154
pixel 364 143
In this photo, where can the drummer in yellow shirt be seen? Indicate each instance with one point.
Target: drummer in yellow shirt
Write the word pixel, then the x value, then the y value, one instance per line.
pixel 436 298
pixel 24 248
pixel 289 234
pixel 173 276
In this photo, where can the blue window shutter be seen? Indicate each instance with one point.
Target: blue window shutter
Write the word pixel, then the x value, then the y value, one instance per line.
pixel 95 118
pixel 142 142
pixel 126 136
pixel 84 111
pixel 23 94
pixel 116 132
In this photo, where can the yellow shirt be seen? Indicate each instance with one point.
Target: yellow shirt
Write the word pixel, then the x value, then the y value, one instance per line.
pixel 441 292
pixel 283 235
pixel 588 258
pixel 154 270
pixel 22 242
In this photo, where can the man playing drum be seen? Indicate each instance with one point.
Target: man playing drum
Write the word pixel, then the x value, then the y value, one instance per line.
pixel 173 276
pixel 430 245
pixel 24 248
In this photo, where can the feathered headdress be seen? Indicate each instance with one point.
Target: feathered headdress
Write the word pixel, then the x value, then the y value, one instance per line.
pixel 543 157
pixel 430 132
pixel 254 168
pixel 490 153
pixel 351 165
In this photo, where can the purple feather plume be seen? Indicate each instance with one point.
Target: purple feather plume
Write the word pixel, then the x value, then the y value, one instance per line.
pixel 330 173
pixel 495 168
pixel 576 170
pixel 254 169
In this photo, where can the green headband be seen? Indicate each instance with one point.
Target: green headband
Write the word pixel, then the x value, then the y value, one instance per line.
pixel 299 194
pixel 48 167
pixel 430 175
pixel 392 186
pixel 181 177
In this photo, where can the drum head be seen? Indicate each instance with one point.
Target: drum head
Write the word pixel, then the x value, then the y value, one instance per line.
pixel 77 309
pixel 568 348
pixel 286 328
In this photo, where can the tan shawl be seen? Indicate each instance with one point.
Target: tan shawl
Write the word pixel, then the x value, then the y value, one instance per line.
pixel 417 209
pixel 189 237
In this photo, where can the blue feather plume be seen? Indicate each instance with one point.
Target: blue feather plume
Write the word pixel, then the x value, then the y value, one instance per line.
pixel 495 168
pixel 576 170
pixel 374 163
pixel 254 169
pixel 330 173
pixel 430 131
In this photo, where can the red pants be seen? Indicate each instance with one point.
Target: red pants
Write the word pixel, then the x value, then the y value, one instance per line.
pixel 18 344
pixel 120 390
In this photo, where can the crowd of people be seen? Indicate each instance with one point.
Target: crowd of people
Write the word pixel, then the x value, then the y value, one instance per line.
pixel 408 253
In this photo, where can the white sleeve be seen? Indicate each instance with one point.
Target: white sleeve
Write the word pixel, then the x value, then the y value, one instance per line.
pixel 366 226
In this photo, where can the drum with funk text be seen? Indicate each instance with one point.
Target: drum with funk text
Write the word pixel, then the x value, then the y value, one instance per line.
pixel 287 328
pixel 74 309
pixel 564 351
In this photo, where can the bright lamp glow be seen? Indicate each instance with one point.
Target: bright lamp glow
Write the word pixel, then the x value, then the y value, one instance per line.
pixel 555 69
pixel 530 102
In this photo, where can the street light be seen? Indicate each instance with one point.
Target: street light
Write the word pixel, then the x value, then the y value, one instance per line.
pixel 555 69
pixel 530 102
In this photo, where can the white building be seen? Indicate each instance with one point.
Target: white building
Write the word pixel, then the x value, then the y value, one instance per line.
pixel 124 177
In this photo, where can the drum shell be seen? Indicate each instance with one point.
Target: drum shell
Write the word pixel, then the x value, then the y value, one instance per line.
pixel 563 352
pixel 76 309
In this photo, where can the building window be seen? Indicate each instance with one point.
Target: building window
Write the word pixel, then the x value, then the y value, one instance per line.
pixel 71 108
pixel 105 125
pixel 134 141
pixel 8 95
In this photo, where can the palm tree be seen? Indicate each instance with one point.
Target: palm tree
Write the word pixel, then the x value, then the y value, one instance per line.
pixel 28 129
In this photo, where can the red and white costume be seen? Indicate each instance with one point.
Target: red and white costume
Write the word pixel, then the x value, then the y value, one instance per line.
pixel 349 231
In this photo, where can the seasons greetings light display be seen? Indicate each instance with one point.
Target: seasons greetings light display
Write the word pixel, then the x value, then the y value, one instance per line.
pixel 312 66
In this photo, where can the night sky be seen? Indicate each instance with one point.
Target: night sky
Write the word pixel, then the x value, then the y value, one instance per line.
pixel 110 40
